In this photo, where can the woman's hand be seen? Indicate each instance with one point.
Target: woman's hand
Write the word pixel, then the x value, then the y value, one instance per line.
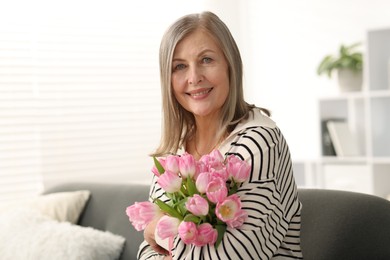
pixel 150 239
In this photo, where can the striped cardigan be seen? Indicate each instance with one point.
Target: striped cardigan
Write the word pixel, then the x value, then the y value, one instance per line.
pixel 269 196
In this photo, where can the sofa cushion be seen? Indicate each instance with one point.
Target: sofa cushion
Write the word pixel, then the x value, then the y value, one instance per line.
pixel 106 210
pixel 28 234
pixel 61 206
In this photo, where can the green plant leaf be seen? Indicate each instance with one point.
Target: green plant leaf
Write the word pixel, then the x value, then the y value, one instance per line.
pixel 170 195
pixel 348 58
pixel 326 65
pixel 158 165
pixel 191 187
pixel 353 46
pixel 221 228
pixel 168 209
pixel 343 51
pixel 191 218
pixel 180 206
pixel 233 189
pixel 183 190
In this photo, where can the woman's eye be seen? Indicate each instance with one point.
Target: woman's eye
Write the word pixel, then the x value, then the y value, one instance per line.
pixel 179 67
pixel 206 60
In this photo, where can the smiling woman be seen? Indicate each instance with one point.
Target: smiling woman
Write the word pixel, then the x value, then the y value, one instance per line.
pixel 204 111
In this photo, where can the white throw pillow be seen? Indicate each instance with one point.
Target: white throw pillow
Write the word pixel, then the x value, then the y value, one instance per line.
pixel 27 234
pixel 61 206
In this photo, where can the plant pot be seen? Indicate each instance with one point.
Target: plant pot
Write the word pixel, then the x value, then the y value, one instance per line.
pixel 350 80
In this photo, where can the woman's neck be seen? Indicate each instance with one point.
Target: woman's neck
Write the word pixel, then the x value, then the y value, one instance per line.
pixel 205 139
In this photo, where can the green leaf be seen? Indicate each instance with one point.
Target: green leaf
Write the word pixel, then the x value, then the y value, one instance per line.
pixel 191 187
pixel 180 205
pixel 170 195
pixel 191 218
pixel 233 189
pixel 221 228
pixel 183 191
pixel 326 65
pixel 158 165
pixel 343 50
pixel 168 209
pixel 348 58
pixel 353 46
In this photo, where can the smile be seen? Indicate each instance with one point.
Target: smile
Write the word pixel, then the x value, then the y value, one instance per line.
pixel 204 92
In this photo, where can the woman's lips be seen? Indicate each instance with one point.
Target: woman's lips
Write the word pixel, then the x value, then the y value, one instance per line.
pixel 200 93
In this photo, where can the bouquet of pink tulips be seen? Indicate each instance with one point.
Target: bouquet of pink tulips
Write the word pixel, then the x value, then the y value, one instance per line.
pixel 201 198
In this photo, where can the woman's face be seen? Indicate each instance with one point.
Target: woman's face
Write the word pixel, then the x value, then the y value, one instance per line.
pixel 200 77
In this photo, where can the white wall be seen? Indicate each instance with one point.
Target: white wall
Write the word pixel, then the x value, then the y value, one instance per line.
pixel 282 43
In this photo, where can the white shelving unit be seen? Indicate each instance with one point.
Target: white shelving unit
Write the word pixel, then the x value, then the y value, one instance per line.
pixel 367 114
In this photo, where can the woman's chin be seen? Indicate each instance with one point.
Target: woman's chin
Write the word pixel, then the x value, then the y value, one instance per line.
pixel 205 113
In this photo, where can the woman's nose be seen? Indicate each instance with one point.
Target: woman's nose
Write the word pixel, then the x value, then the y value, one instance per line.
pixel 195 76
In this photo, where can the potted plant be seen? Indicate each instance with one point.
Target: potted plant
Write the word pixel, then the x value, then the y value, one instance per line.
pixel 349 66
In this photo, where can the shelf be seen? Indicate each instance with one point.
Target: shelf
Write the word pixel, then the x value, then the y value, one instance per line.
pixel 367 117
pixel 379 93
pixel 360 159
pixel 344 96
pixel 344 160
pixel 381 160
pixel 357 95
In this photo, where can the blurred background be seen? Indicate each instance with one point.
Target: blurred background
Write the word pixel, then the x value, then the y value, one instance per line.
pixel 79 80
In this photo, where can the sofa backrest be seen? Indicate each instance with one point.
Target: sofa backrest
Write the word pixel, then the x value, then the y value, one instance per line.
pixel 335 224
pixel 344 225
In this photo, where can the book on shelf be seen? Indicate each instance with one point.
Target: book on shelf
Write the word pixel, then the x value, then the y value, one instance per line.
pixel 343 139
pixel 326 141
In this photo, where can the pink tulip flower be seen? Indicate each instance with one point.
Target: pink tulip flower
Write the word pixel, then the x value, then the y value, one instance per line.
pixel 203 181
pixel 216 154
pixel 239 219
pixel 220 173
pixel 200 167
pixel 155 171
pixel 197 205
pixel 213 159
pixel 206 235
pixel 167 227
pixel 142 213
pixel 187 165
pixel 230 212
pixel 172 164
pixel 205 159
pixel 188 232
pixel 154 168
pixel 237 169
pixel 216 190
pixel 170 182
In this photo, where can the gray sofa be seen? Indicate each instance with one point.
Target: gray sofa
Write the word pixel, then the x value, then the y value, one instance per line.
pixel 335 224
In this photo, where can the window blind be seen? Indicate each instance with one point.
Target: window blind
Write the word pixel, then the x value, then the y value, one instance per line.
pixel 78 101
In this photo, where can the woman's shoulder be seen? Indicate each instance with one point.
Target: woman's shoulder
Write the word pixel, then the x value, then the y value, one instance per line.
pixel 258 130
pixel 256 119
